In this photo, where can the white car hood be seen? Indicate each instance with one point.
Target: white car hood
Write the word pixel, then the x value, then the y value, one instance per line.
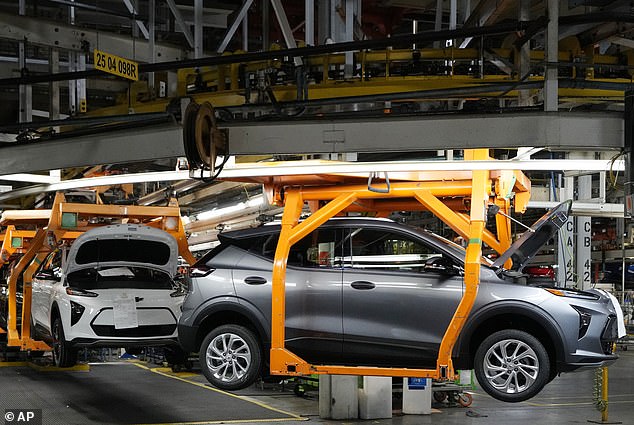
pixel 124 245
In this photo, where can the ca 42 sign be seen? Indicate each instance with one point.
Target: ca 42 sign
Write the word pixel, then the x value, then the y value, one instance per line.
pixel 116 65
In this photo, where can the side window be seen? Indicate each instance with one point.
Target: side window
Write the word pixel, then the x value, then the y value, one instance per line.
pixel 56 264
pixel 379 249
pixel 52 264
pixel 318 249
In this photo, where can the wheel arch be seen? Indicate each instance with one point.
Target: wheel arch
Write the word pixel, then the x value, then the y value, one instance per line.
pixel 513 315
pixel 231 313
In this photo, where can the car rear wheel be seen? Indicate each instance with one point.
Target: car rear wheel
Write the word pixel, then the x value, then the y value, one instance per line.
pixel 512 365
pixel 63 354
pixel 231 357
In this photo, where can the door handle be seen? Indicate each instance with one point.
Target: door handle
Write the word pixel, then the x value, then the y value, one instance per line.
pixel 254 280
pixel 362 284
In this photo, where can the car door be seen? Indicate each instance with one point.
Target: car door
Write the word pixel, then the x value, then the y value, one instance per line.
pixel 313 292
pixel 396 305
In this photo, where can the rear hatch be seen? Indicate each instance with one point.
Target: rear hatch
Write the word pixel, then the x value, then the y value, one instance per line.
pixel 529 244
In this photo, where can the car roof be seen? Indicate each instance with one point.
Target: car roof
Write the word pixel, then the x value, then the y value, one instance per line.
pixel 274 227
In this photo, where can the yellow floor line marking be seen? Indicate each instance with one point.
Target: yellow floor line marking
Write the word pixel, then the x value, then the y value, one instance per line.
pixel 13 364
pixel 590 403
pixel 236 421
pixel 76 368
pixel 258 403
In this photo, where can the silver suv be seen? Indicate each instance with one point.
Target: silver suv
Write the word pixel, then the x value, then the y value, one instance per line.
pixel 373 292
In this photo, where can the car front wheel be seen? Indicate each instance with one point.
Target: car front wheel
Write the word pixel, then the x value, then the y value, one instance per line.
pixel 231 357
pixel 512 365
pixel 64 355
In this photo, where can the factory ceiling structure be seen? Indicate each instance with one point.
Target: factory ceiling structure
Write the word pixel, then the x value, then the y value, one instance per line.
pixel 360 81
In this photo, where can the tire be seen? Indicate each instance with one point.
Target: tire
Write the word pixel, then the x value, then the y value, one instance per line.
pixel 231 357
pixel 64 355
pixel 520 373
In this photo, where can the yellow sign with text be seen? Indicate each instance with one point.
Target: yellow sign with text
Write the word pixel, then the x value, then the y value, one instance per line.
pixel 116 65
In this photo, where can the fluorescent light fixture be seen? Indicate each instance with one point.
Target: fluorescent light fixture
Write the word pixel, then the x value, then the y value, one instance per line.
pixel 97 181
pixel 30 178
pixel 217 212
pixel 340 167
pixel 291 168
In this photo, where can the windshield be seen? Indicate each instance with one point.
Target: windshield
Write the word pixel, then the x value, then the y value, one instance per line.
pixel 120 277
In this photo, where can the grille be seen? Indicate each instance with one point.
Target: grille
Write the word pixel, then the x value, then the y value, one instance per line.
pixel 609 335
pixel 141 331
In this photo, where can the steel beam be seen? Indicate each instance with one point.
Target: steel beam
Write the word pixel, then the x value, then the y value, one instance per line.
pixel 563 131
pixel 68 37
pixel 162 141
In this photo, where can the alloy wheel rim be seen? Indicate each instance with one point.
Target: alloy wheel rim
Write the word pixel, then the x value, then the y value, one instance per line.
pixel 511 366
pixel 228 357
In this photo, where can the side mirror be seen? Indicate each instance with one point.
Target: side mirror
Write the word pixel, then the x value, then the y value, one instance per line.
pixel 441 265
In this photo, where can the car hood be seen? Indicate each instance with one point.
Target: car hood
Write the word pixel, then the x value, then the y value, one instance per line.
pixel 124 245
pixel 527 245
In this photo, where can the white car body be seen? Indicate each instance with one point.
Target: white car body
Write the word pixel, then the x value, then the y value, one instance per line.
pixel 114 287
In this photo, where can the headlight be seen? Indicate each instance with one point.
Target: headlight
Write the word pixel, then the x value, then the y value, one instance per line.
pixel 80 292
pixel 572 293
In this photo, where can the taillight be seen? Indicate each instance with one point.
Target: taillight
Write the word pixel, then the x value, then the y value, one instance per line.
pixel 200 271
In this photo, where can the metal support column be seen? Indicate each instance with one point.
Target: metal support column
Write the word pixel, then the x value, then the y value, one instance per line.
pixel 151 44
pixel 551 85
pixel 198 29
pixel 72 85
pixel 309 26
pixel 266 25
pixel 53 86
pixel 245 33
pixel 348 70
pixel 81 83
pixel 25 91
pixel 565 240
pixel 438 21
pixel 524 65
pixel 584 236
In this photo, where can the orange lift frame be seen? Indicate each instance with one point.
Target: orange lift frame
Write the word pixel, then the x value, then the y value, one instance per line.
pixel 68 221
pixel 437 192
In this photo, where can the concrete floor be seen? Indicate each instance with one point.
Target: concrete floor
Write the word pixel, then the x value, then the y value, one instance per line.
pixel 146 388
pixel 568 399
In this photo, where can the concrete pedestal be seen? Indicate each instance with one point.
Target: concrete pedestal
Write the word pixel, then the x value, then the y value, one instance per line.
pixel 338 397
pixel 417 396
pixel 375 398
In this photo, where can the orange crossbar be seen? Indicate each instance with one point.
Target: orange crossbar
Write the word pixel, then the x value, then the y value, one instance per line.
pixel 480 188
